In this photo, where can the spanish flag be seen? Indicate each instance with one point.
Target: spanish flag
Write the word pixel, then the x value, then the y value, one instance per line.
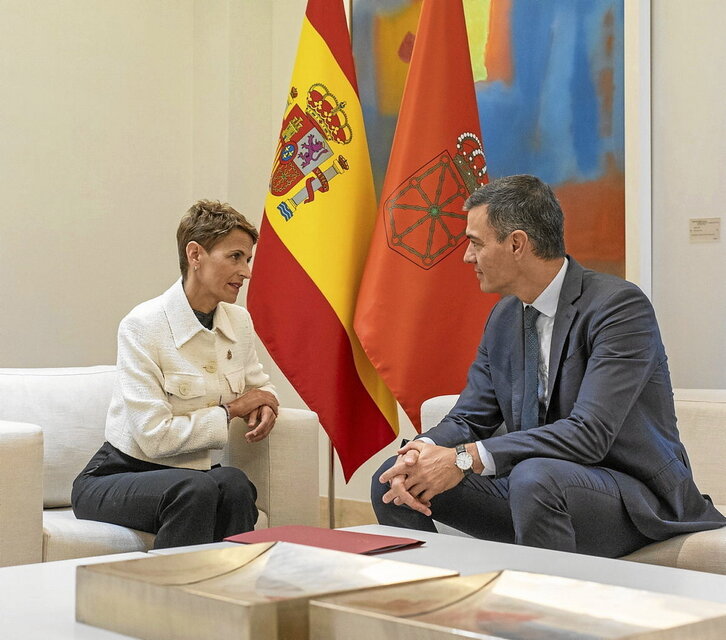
pixel 420 312
pixel 319 216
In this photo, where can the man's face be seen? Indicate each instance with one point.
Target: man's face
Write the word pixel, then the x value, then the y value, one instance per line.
pixel 493 261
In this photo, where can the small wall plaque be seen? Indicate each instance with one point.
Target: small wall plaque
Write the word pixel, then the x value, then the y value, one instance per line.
pixel 704 229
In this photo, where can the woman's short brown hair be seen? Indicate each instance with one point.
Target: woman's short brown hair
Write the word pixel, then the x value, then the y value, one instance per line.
pixel 207 222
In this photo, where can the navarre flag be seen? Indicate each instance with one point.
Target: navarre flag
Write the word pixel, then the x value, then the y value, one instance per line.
pixel 319 216
pixel 420 311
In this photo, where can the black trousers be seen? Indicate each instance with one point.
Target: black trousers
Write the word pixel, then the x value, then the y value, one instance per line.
pixel 547 503
pixel 181 506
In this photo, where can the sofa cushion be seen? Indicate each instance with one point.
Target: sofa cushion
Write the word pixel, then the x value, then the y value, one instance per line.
pixel 70 405
pixel 66 537
pixel 700 551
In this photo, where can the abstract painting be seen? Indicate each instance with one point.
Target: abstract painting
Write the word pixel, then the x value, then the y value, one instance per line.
pixel 548 77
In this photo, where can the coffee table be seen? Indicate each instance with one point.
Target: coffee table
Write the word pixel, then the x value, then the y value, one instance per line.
pixel 37 601
pixel 468 556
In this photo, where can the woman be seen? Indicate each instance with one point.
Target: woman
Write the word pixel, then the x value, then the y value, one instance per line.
pixel 187 365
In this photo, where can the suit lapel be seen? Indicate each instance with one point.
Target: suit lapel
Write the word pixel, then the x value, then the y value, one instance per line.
pixel 564 317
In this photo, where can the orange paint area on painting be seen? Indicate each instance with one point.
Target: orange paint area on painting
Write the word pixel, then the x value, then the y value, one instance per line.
pixel 499 47
pixel 595 234
pixel 394 36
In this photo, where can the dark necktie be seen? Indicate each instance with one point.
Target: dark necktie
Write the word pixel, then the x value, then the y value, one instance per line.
pixel 530 397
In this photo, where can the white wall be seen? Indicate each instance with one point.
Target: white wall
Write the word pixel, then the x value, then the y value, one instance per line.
pixel 689 149
pixel 114 118
pixel 96 164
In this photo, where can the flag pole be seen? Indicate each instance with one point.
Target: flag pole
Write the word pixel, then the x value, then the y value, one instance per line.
pixel 331 485
pixel 331 449
pixel 350 21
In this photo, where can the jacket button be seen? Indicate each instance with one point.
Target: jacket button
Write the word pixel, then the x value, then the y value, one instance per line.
pixel 211 367
pixel 184 389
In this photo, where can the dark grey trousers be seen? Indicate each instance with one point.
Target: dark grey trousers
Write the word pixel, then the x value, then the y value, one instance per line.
pixel 181 506
pixel 547 503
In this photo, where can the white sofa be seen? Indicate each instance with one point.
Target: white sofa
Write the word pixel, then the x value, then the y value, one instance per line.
pixel 702 424
pixel 52 421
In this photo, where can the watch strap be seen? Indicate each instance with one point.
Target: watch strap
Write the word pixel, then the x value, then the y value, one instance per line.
pixel 461 448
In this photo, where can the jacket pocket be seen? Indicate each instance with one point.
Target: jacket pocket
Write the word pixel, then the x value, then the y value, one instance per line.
pixel 236 380
pixel 668 477
pixel 184 385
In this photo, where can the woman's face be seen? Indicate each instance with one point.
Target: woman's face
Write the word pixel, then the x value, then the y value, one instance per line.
pixel 218 275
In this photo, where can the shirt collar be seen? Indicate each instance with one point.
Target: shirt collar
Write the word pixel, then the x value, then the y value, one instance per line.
pixel 546 302
pixel 184 324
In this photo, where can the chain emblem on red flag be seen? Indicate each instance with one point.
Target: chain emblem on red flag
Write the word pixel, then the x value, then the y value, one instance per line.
pixel 425 220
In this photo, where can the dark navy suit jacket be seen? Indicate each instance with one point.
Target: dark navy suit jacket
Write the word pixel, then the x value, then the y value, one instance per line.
pixel 611 401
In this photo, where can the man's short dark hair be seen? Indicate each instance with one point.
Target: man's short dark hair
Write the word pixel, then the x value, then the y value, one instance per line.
pixel 523 202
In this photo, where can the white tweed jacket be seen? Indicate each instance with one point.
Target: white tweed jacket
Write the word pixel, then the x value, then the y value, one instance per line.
pixel 172 375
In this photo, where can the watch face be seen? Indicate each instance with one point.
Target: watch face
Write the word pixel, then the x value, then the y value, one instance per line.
pixel 464 460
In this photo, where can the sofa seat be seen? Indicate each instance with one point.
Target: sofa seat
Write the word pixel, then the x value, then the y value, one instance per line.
pixel 65 536
pixel 700 551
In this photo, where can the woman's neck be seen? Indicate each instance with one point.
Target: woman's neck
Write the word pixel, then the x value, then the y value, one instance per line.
pixel 196 297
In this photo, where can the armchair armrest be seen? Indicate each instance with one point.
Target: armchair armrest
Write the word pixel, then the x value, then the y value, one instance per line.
pixel 21 493
pixel 434 409
pixel 283 467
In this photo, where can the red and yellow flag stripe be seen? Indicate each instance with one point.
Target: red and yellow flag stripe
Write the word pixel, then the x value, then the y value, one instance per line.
pixel 319 217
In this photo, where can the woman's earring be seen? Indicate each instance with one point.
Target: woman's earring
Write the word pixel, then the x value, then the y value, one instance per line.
pixel 196 266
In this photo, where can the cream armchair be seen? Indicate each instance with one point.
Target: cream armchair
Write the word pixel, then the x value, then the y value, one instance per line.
pixel 702 424
pixel 52 421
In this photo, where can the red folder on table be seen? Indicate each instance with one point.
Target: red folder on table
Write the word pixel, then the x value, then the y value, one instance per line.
pixel 337 539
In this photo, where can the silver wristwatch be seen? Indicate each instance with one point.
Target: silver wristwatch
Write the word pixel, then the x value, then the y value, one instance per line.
pixel 464 461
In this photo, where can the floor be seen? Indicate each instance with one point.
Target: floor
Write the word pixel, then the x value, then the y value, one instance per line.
pixel 348 513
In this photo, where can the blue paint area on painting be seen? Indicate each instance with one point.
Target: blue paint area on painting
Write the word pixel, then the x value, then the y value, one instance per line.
pixel 551 120
pixel 379 127
pixel 585 137
pixel 554 118
pixel 548 122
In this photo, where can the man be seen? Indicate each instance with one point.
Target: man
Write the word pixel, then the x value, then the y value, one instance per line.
pixel 572 363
